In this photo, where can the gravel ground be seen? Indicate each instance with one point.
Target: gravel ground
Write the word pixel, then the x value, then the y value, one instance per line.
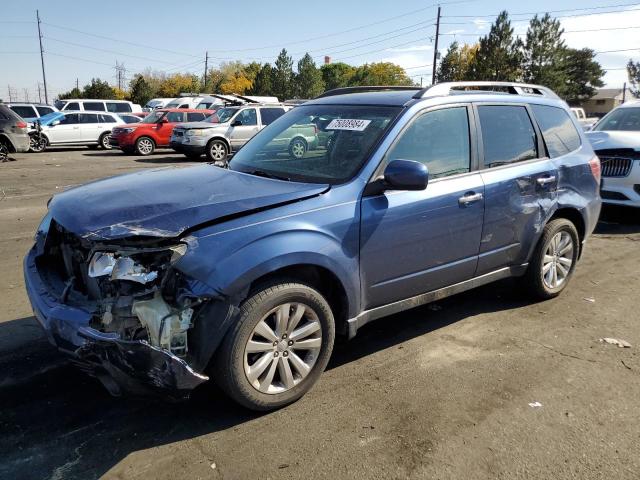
pixel 441 391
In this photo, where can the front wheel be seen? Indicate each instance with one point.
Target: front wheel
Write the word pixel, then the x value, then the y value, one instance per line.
pixel 145 146
pixel 554 259
pixel 279 347
pixel 217 152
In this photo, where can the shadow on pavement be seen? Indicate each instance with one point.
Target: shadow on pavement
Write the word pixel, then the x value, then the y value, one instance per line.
pixel 620 220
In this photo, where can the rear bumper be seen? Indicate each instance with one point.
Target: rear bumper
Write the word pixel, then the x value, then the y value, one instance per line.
pixel 21 143
pixel 121 365
pixel 623 190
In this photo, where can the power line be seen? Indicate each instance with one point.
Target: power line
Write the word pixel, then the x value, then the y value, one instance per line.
pixel 552 11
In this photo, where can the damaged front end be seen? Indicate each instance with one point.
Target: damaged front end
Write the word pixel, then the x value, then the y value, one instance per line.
pixel 125 312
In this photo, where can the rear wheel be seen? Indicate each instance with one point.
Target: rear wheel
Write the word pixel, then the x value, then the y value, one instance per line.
pixel 145 146
pixel 554 259
pixel 297 148
pixel 279 347
pixel 217 152
pixel 103 141
pixel 37 144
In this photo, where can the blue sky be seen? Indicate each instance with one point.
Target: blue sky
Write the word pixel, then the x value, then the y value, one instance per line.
pixel 84 39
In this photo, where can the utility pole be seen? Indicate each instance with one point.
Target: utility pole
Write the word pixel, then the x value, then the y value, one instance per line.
pixel 624 92
pixel 39 93
pixel 10 93
pixel 77 84
pixel 26 95
pixel 435 49
pixel 44 77
pixel 206 67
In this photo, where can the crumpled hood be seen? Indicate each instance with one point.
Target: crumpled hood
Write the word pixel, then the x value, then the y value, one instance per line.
pixel 166 202
pixel 614 139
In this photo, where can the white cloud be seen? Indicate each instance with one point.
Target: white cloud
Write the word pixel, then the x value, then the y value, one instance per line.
pixel 481 24
pixel 411 48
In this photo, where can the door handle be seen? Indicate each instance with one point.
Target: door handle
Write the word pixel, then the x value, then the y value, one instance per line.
pixel 76 128
pixel 470 198
pixel 542 181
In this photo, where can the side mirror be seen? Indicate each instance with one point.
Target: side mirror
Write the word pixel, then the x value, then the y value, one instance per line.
pixel 237 123
pixel 406 175
pixel 55 122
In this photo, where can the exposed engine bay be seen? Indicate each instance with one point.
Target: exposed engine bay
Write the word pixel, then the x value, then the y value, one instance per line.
pixel 143 310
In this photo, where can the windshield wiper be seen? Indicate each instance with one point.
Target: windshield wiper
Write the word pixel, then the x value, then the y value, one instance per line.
pixel 262 173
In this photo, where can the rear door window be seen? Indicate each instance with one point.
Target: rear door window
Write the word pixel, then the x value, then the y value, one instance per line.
pixel 270 114
pixel 116 107
pixel 70 119
pixel 439 139
pixel 104 118
pixel 99 106
pixel 25 111
pixel 88 118
pixel 44 110
pixel 195 117
pixel 558 131
pixel 507 134
pixel 175 117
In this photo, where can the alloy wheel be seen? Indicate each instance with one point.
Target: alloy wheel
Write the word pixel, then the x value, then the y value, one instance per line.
pixel 145 146
pixel 106 142
pixel 558 259
pixel 298 149
pixel 283 348
pixel 218 152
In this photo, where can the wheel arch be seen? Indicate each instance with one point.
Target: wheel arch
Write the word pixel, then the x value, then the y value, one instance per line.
pixel 7 141
pixel 222 138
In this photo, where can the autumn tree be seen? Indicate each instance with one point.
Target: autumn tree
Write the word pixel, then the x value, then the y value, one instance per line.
pixel 308 81
pixel 282 76
pixel 454 66
pixel 177 83
pixel 336 75
pixel 499 56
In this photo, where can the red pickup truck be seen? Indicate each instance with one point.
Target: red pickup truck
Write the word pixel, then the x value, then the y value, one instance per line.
pixel 154 131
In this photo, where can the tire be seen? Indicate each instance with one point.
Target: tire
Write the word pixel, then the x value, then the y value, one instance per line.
pixel 274 350
pixel 549 270
pixel 38 147
pixel 145 146
pixel 297 148
pixel 103 141
pixel 217 152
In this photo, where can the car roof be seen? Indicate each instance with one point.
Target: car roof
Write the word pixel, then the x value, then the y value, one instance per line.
pixel 189 110
pixel 633 103
pixel 91 100
pixel 90 111
pixel 390 98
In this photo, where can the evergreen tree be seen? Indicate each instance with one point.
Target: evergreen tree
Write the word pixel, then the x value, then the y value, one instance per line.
pixel 499 56
pixel 633 71
pixel 281 80
pixel 544 51
pixel 139 90
pixel 308 80
pixel 262 82
pixel 382 73
pixel 98 89
pixel 582 75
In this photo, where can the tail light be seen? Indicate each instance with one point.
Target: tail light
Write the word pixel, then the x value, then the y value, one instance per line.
pixel 594 163
pixel 21 124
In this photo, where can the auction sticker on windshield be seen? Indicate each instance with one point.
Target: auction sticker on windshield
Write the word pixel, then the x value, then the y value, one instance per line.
pixel 348 124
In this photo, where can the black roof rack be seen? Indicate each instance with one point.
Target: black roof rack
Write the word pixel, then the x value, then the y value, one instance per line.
pixel 362 89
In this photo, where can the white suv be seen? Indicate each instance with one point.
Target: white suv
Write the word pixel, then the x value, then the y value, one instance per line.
pixel 30 112
pixel 98 105
pixel 616 140
pixel 92 129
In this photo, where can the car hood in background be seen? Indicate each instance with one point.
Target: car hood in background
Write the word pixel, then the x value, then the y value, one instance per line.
pixel 606 140
pixel 166 202
pixel 49 118
pixel 190 125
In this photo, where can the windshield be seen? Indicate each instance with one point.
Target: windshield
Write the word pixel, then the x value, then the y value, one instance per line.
pixel 623 119
pixel 316 143
pixel 153 117
pixel 222 115
pixel 60 103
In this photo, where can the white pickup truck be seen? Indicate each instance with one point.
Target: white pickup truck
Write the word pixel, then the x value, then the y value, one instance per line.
pixel 586 122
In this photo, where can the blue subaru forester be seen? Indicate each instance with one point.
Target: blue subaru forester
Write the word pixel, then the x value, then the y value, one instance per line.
pixel 157 280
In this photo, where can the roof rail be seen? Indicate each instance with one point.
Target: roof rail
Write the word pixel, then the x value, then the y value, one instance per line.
pixel 513 88
pixel 361 89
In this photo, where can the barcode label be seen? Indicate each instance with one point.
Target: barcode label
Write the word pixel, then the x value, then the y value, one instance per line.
pixel 348 124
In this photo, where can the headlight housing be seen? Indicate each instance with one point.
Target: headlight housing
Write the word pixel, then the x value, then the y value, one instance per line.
pixel 128 130
pixel 199 132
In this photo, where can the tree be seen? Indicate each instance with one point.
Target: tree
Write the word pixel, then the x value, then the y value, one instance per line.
pixel 174 85
pixel 98 89
pixel 454 67
pixel 382 73
pixel 633 71
pixel 544 51
pixel 582 75
pixel 281 81
pixel 336 75
pixel 73 93
pixel 251 70
pixel 262 82
pixel 308 80
pixel 139 90
pixel 499 56
pixel 238 83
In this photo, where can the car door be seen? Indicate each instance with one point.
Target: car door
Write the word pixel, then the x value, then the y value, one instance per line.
pixel 90 128
pixel 520 184
pixel 243 126
pixel 414 242
pixel 67 131
pixel 164 130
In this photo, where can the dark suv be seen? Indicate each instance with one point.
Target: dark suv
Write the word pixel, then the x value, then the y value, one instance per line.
pixel 14 132
pixel 161 279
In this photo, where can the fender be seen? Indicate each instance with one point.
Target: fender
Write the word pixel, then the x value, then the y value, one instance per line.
pixel 4 138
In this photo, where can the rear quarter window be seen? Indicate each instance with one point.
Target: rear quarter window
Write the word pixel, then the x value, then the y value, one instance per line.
pixel 116 107
pixel 507 134
pixel 104 118
pixel 558 131
pixel 25 111
pixel 268 115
